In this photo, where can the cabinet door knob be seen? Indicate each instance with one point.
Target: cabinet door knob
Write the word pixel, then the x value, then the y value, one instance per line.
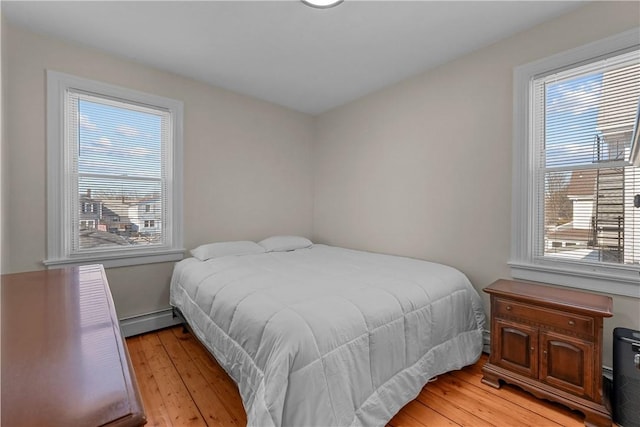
pixel 571 323
pixel 508 308
pixel 532 349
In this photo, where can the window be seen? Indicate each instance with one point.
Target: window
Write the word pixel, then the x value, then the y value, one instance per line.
pixel 111 150
pixel 87 207
pixel 575 222
pixel 149 223
pixel 87 225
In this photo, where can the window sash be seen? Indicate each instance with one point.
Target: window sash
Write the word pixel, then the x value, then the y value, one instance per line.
pixel 73 145
pixel 602 240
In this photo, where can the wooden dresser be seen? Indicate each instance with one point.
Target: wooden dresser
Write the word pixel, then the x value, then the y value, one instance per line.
pixel 548 341
pixel 64 362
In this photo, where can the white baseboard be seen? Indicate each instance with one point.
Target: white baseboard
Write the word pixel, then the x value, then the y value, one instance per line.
pixel 143 323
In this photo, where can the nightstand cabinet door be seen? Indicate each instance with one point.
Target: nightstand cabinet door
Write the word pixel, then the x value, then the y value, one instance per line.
pixel 567 363
pixel 517 347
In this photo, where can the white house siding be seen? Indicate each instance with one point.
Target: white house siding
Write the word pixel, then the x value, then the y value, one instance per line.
pixel 631 216
pixel 139 216
pixel 582 213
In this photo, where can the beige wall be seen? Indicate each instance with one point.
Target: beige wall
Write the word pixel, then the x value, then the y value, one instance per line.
pixel 423 168
pixel 247 162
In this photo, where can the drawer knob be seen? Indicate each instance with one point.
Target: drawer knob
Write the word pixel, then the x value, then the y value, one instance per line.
pixel 508 308
pixel 571 323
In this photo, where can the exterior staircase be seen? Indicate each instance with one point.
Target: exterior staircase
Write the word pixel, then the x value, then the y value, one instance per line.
pixel 608 219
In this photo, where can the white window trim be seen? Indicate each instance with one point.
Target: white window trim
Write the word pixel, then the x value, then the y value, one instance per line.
pixel 58 254
pixel 622 280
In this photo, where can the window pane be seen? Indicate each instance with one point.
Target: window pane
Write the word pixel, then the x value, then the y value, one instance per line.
pixel 571 120
pixel 589 187
pixel 118 141
pixel 119 175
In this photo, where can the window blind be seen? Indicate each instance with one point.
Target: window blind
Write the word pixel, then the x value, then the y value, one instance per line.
pixel 116 155
pixel 583 120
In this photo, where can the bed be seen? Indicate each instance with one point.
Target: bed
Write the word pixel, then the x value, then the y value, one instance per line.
pixel 326 336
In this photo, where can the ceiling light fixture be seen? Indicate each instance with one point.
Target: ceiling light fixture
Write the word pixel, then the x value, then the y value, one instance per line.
pixel 322 4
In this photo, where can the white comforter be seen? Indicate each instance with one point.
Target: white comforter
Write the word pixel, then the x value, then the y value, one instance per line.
pixel 326 336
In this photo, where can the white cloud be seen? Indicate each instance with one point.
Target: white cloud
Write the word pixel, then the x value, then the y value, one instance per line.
pixel 576 98
pixel 138 151
pixel 86 123
pixel 128 130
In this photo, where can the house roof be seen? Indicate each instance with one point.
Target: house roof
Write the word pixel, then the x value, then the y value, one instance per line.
pixel 98 238
pixel 570 234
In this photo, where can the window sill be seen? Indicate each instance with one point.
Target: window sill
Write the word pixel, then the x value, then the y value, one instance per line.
pixel 625 283
pixel 118 260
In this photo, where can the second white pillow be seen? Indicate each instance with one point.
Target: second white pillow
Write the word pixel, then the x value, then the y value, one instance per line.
pixel 284 243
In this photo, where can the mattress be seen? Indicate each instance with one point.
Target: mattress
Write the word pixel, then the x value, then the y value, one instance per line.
pixel 326 336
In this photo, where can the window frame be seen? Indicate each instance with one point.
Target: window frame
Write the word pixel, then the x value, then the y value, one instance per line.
pixel 59 186
pixel 617 280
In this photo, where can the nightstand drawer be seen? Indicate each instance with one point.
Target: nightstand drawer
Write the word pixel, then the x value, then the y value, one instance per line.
pixel 568 322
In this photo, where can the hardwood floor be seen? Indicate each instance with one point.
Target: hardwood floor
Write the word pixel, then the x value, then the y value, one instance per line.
pixel 182 385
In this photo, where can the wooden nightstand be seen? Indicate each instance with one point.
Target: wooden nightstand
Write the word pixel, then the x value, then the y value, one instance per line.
pixel 549 342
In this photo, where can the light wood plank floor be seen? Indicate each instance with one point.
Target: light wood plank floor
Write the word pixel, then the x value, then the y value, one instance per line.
pixel 182 385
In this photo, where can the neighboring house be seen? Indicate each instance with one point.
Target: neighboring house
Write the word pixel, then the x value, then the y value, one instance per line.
pixel 146 215
pixel 90 212
pixel 102 221
pixel 114 217
pixel 116 220
pixel 117 215
pixel 580 192
pixel 632 216
pixel 104 213
pixel 577 233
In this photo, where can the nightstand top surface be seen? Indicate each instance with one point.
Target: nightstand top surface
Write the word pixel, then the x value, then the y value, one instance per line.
pixel 551 296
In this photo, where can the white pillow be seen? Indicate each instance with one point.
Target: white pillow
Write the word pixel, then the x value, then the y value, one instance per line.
pixel 284 243
pixel 220 249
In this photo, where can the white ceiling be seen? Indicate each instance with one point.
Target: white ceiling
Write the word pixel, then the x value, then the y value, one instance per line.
pixel 310 60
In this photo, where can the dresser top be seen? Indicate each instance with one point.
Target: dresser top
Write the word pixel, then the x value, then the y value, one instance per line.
pixel 550 296
pixel 63 359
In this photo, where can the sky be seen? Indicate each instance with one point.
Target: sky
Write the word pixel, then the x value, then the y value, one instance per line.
pixel 118 140
pixel 120 143
pixel 571 120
